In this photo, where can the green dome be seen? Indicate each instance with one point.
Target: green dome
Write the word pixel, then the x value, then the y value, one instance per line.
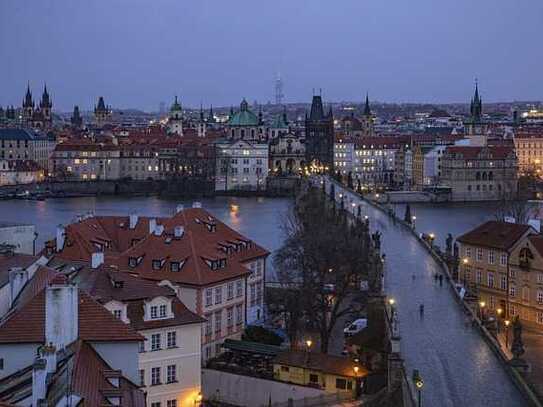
pixel 244 117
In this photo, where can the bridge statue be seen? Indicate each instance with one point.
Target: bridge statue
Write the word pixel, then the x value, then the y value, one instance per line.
pixel 449 243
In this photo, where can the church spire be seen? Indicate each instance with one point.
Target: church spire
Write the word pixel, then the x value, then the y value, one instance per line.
pixel 367 109
pixel 476 107
pixel 28 102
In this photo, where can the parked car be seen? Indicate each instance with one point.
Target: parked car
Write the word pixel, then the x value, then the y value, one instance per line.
pixel 355 327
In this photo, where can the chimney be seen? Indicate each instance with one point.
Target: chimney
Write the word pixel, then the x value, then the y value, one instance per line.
pixel 133 221
pixel 18 277
pixel 159 229
pixel 178 232
pixel 152 226
pixel 97 259
pixel 61 312
pixel 39 376
pixel 49 354
pixel 196 204
pixel 61 235
pixel 179 208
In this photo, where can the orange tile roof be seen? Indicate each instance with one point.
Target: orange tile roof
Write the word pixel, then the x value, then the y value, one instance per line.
pixel 494 234
pixel 27 324
pixel 201 242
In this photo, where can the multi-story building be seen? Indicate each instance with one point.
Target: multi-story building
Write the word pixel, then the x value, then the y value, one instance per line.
pixel 375 160
pixel 432 165
pixel 241 165
pixel 139 161
pixel 287 154
pixel 85 160
pixel 170 357
pixel 480 173
pixel 26 144
pixel 529 148
pixel 403 167
pixel 216 272
pixel 344 151
pixel 319 136
pixel 20 172
pixel 503 264
pixel 59 347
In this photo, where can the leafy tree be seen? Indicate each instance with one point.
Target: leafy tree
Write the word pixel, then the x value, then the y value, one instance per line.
pixel 255 333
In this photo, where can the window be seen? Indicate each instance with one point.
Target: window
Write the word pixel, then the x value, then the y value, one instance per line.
pixel 142 377
pixel 142 346
pixel 117 313
pixel 503 282
pixel 218 295
pixel 174 266
pixel 230 317
pixel 285 368
pixel 239 314
pixel 162 311
pixel 479 254
pixel 155 404
pixel 154 312
pixel 155 376
pixel 341 384
pixel 171 403
pixel 239 288
pixel 513 309
pixel 230 291
pixel 540 296
pixel 207 328
pixel 503 259
pixel 491 257
pixel 512 290
pixel 468 251
pixel 252 297
pixel 539 317
pixel 171 374
pixel 218 322
pixel 157 264
pixel 313 378
pixel 172 339
pixel 155 342
pixel 479 276
pixel 209 297
pixel 490 279
pixel 258 293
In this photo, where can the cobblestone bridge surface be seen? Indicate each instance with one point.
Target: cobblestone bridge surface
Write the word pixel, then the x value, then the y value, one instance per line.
pixel 457 366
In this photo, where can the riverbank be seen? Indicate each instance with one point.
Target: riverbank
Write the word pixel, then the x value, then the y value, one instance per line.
pixel 517 378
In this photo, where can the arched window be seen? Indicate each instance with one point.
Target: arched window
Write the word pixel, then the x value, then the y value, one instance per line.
pixel 484 176
pixel 478 176
pixel 490 176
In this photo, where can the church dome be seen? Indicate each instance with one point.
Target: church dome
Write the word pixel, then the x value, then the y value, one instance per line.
pixel 244 117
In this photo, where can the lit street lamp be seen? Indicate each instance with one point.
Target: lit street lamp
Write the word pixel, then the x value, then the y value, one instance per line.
pixel 413 221
pixel 507 323
pixel 482 305
pixel 198 399
pixel 419 384
pixel 432 237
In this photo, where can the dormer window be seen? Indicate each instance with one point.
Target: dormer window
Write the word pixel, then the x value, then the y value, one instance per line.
pixel 176 266
pixel 154 312
pixel 162 311
pixel 118 284
pixel 157 264
pixel 132 261
pixel 117 313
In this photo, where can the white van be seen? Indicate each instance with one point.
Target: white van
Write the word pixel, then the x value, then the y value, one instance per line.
pixel 355 327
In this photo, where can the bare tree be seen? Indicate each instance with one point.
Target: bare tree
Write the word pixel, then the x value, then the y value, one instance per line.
pixel 324 255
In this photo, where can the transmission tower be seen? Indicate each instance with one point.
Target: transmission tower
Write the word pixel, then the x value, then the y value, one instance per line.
pixel 279 90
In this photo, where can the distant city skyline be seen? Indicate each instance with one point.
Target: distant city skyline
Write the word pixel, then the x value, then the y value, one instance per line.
pixel 137 54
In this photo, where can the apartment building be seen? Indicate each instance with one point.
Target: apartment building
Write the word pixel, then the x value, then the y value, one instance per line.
pixel 529 148
pixel 59 347
pixel 169 358
pixel 86 161
pixel 503 263
pixel 17 144
pixel 480 173
pixel 241 165
pixel 215 271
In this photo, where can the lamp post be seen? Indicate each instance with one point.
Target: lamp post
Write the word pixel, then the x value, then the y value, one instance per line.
pixel 391 302
pixel 198 399
pixel 465 262
pixel 507 323
pixel 499 313
pixel 413 221
pixel 432 238
pixel 419 384
pixel 482 305
pixel 357 381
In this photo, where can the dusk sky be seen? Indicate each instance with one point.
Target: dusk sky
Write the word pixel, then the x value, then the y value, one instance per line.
pixel 137 53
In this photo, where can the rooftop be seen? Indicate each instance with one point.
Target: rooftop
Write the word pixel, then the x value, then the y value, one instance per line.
pixel 495 234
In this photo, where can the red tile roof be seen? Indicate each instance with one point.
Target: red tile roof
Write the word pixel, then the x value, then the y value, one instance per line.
pixel 494 234
pixel 27 324
pixel 472 152
pixel 205 239
pixel 8 261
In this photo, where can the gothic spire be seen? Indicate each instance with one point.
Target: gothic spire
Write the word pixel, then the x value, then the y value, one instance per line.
pixel 476 107
pixel 367 109
pixel 28 102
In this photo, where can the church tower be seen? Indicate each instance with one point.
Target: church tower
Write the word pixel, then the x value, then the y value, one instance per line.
pixel 202 125
pixel 28 105
pixel 367 119
pixel 175 119
pixel 319 136
pixel 476 129
pixel 46 106
pixel 76 119
pixel 101 111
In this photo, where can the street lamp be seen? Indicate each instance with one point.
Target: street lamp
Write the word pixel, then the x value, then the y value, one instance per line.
pixel 507 322
pixel 432 237
pixel 482 305
pixel 198 399
pixel 419 384
pixel 413 221
pixel 309 342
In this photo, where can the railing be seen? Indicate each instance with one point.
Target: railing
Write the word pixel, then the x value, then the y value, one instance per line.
pixel 322 400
